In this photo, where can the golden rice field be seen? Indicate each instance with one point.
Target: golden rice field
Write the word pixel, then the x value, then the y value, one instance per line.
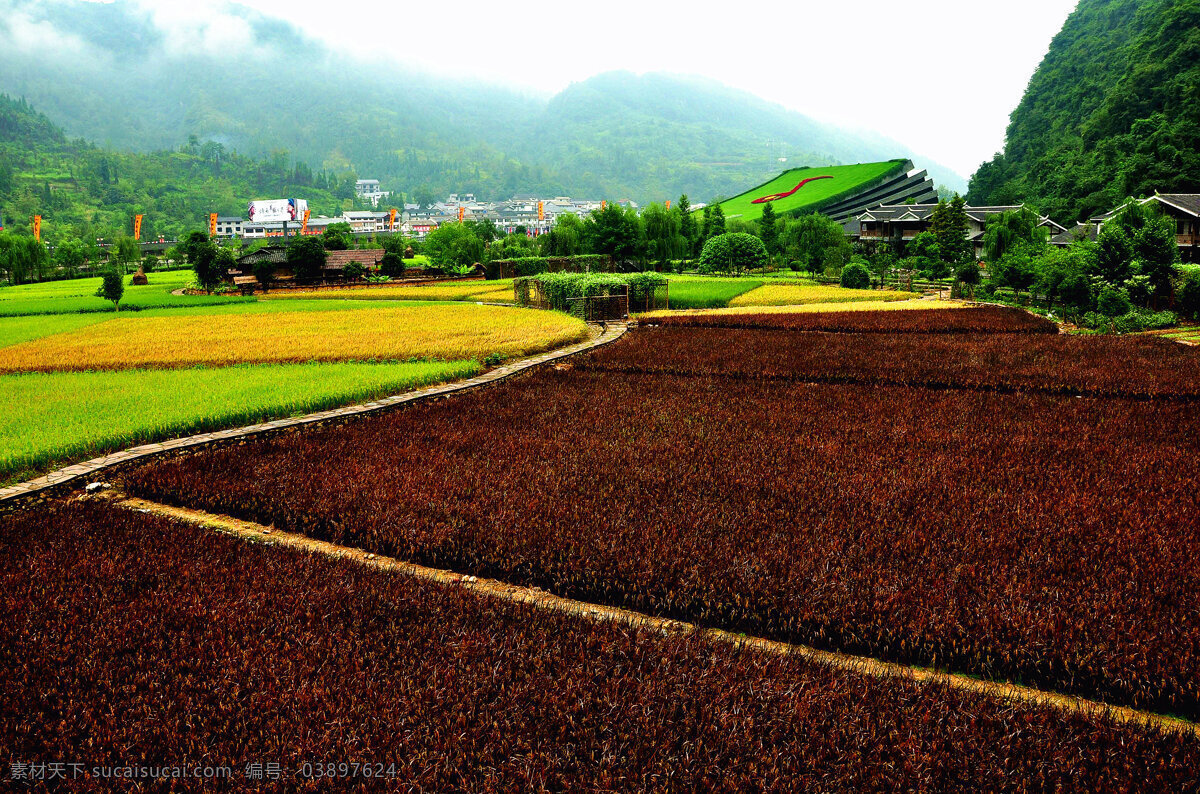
pixel 445 332
pixel 439 291
pixel 795 294
pixel 866 306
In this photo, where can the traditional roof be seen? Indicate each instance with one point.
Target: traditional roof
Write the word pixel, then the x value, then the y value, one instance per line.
pixel 1188 202
pixel 1081 231
pixel 367 257
pixel 268 253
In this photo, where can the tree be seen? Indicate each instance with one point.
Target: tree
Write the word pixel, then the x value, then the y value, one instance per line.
pixel 128 251
pixel 732 253
pixel 203 256
pixel 423 197
pixel 264 272
pixel 485 230
pixel 1008 230
pixel 1114 254
pixel 949 225
pixel 69 256
pixel 565 238
pixel 191 245
pixel 663 239
pixel 807 240
pixel 687 225
pixel 112 287
pixel 718 221
pixel 392 265
pixel 306 257
pixel 453 245
pixel 768 230
pixel 615 232
pixel 338 237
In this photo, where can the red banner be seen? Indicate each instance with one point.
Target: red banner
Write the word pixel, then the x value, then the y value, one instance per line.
pixel 304 223
pixel 212 225
pixel 460 213
pixel 541 211
pixel 137 227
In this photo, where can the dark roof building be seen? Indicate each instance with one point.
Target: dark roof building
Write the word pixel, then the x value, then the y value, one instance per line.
pixel 899 223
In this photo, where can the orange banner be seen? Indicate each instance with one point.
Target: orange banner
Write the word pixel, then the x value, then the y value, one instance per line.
pixel 392 219
pixel 668 203
pixel 137 227
pixel 603 205
pixel 541 212
pixel 304 223
pixel 37 228
pixel 460 213
pixel 212 225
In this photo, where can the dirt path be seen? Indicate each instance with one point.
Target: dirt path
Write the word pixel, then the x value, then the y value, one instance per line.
pixel 491 588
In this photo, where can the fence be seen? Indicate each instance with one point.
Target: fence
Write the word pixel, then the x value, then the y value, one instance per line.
pixel 601 308
pixel 612 301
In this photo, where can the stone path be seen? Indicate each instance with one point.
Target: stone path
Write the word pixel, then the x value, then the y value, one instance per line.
pixel 57 480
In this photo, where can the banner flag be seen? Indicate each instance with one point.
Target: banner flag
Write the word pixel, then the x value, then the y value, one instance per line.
pixel 304 223
pixel 137 227
pixel 603 205
pixel 392 220
pixel 460 213
pixel 668 203
pixel 212 225
pixel 37 228
pixel 541 211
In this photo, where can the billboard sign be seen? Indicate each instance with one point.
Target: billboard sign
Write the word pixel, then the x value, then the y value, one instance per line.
pixel 275 210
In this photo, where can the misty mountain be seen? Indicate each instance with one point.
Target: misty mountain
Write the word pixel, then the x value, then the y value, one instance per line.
pixel 107 73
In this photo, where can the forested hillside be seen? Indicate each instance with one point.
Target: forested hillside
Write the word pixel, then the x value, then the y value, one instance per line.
pixel 84 191
pixel 1112 111
pixel 106 73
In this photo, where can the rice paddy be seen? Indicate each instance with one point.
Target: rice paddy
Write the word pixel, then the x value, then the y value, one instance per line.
pixel 49 418
pixel 396 332
pixel 474 290
pixel 796 294
pixel 79 296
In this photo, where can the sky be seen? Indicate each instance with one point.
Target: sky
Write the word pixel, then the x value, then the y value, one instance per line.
pixel 940 76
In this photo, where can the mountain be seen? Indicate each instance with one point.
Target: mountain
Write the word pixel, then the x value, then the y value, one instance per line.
pixel 111 74
pixel 1112 111
pixel 85 191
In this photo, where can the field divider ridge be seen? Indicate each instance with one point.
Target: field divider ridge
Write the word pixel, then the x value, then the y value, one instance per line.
pixel 13 496
pixel 543 600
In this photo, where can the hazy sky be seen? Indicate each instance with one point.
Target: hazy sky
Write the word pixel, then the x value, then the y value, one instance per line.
pixel 941 76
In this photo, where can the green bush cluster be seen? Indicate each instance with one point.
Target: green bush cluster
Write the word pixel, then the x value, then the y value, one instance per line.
pixel 533 265
pixel 560 289
pixel 735 252
pixel 856 276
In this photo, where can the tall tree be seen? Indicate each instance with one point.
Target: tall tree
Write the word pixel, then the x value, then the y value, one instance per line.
pixel 687 223
pixel 768 231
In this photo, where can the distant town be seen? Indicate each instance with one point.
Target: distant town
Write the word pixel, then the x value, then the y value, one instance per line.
pixel 534 214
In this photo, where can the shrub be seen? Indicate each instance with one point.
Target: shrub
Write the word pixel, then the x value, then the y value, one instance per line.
pixel 354 270
pixel 735 253
pixel 1113 302
pixel 856 276
pixel 1189 297
pixel 392 265
pixel 112 288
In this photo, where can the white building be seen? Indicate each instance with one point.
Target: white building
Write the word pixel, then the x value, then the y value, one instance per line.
pixel 369 190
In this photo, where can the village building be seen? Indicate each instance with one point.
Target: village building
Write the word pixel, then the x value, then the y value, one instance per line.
pixel 1182 208
pixel 897 224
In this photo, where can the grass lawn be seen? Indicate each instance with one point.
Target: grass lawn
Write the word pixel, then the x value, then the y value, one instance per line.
pixel 48 419
pixel 794 294
pixel 352 332
pixel 442 291
pixel 844 177
pixel 1184 333
pixel 78 295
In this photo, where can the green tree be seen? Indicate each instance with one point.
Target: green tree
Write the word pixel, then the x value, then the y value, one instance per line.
pixel 732 253
pixel 566 237
pixel 687 225
pixel 338 237
pixel 949 225
pixel 616 232
pixel 856 276
pixel 392 265
pixel 768 230
pixel 112 287
pixel 1009 230
pixel 128 252
pixel 807 240
pixel 203 256
pixel 453 245
pixel 663 239
pixel 306 257
pixel 717 227
pixel 1114 255
pixel 69 257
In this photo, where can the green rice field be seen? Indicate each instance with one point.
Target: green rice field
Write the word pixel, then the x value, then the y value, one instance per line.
pixel 63 417
pixel 79 296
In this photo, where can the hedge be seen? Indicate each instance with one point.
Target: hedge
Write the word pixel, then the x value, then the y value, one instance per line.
pixel 557 290
pixel 533 265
